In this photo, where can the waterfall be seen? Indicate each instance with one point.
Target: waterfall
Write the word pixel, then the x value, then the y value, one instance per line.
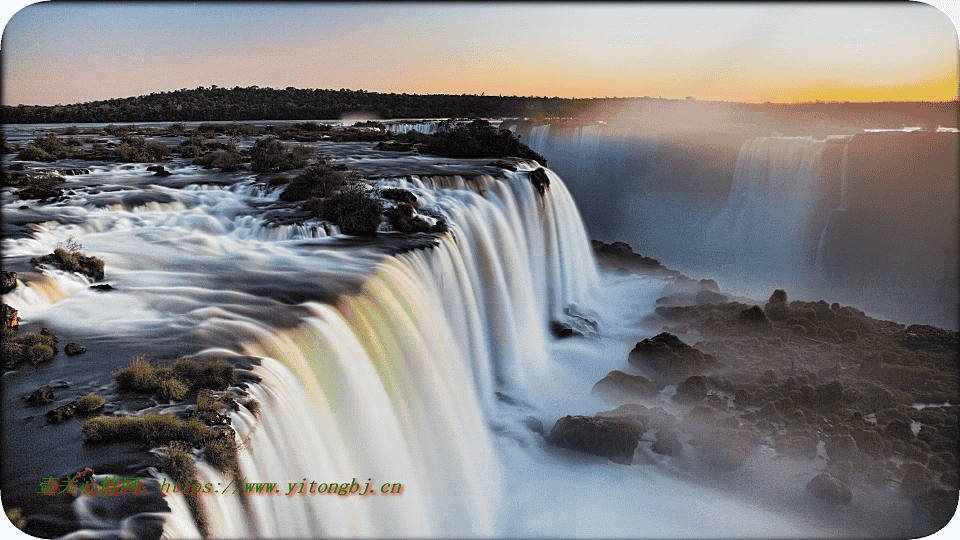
pixel 765 218
pixel 396 382
pixel 819 265
pixel 539 136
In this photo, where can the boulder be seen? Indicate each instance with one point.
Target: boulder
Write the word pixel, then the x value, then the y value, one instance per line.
pixel 41 396
pixel 61 413
pixel 8 281
pixel 9 316
pixel 753 319
pixel 611 438
pixel 622 387
pixel 102 287
pixel 692 390
pixel 842 448
pixel 73 349
pixel 776 308
pixel 706 296
pixel 666 356
pixel 828 488
pixel 540 180
pixel 666 444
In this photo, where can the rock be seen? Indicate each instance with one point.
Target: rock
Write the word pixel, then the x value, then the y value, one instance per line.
pixel 73 349
pixel 156 168
pixel 753 319
pixel 842 448
pixel 666 444
pixel 606 437
pixel 560 330
pixel 162 172
pixel 707 296
pixel 828 488
pixel 699 420
pixel 622 387
pixel 9 316
pixel 776 308
pixel 534 425
pixel 41 396
pixel 665 355
pixel 692 390
pixel 779 296
pixel 103 287
pixel 61 413
pixel 8 281
pixel 915 480
pixel 540 180
pixel 829 393
pixel 900 430
pixel 708 285
pixel 501 164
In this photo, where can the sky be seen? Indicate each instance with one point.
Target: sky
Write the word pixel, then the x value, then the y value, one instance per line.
pixel 57 53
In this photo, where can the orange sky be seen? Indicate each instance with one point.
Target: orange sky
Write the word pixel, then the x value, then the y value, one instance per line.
pixel 730 52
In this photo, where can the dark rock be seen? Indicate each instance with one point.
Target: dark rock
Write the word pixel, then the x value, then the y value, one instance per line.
pixel 560 330
pixel 440 226
pixel 156 168
pixel 73 172
pixel 41 396
pixel 500 164
pixel 706 296
pixel 622 387
pixel 754 319
pixel 534 425
pixel 915 481
pixel 103 287
pixel 692 390
pixel 8 281
pixel 73 349
pixel 666 444
pixel 611 438
pixel 829 393
pixel 665 355
pixel 163 173
pixel 842 448
pixel 61 413
pixel 828 488
pixel 540 180
pixel 779 296
pixel 900 430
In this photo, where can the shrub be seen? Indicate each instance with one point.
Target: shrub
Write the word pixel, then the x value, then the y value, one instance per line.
pixel 253 406
pixel 475 140
pixel 320 180
pixel 226 161
pixel 157 150
pixel 403 219
pixel 38 187
pixel 90 402
pixel 221 452
pixel 172 389
pixel 140 376
pixel 130 153
pixel 39 353
pixel 32 153
pixel 353 210
pixel 215 375
pixel 269 154
pixel 73 261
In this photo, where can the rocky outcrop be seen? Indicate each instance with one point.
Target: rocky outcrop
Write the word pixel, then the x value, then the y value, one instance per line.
pixel 666 356
pixel 606 437
pixel 823 486
pixel 621 387
pixel 8 281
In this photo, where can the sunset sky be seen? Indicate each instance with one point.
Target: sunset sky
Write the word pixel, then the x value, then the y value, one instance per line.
pixel 61 53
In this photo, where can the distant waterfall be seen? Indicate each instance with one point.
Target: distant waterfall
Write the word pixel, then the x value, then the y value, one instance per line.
pixel 396 381
pixel 538 137
pixel 765 218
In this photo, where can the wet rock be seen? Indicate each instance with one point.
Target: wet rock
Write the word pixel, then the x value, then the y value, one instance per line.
pixel 540 180
pixel 828 488
pixel 666 444
pixel 753 319
pixel 561 331
pixel 8 281
pixel 900 430
pixel 665 355
pixel 776 307
pixel 73 349
pixel 9 316
pixel 606 437
pixel 699 420
pixel 707 296
pixel 500 164
pixel 41 396
pixel 103 287
pixel 692 390
pixel 61 413
pixel 915 481
pixel 620 386
pixel 842 448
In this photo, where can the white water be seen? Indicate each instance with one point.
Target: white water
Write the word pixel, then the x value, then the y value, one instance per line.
pixel 397 381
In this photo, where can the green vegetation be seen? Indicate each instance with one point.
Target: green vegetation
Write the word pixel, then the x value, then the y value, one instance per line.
pixel 47 148
pixel 186 375
pixel 34 348
pixel 253 406
pixel 226 160
pixel 72 260
pixel 35 186
pixel 353 209
pixel 318 181
pixel 178 463
pixel 89 403
pixel 478 139
pixel 270 155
